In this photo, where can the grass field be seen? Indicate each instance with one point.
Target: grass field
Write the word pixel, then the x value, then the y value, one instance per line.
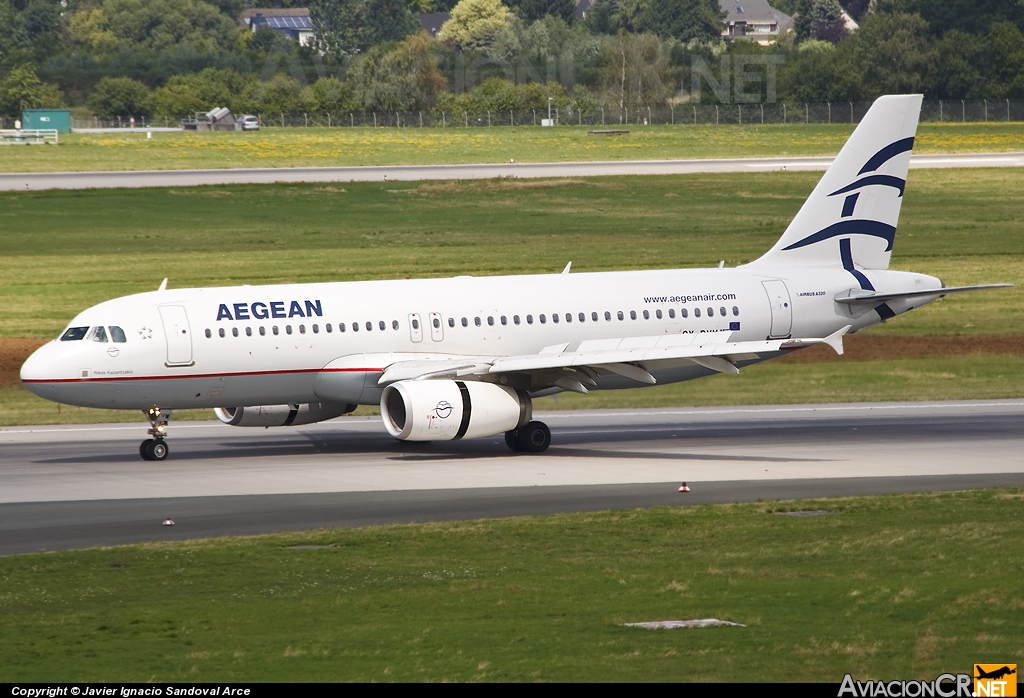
pixel 63 251
pixel 881 587
pixel 320 147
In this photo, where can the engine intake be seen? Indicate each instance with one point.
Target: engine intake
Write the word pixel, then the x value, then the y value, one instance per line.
pixel 443 410
pixel 281 415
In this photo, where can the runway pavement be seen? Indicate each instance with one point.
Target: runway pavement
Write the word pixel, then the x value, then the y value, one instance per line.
pixel 188 178
pixel 67 487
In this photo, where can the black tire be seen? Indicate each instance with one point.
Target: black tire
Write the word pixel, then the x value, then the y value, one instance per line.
pixel 512 440
pixel 535 437
pixel 144 449
pixel 159 450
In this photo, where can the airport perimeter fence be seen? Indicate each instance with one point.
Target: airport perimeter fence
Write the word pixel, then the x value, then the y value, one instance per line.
pixel 932 111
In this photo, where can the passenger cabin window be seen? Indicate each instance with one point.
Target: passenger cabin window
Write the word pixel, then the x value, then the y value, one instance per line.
pixel 208 334
pixel 632 315
pixel 696 312
pixel 74 334
pixel 722 310
pixel 394 324
pixel 369 325
pixel 607 316
pixel 274 329
pixel 543 319
pixel 248 332
pixel 490 321
pixel 316 329
pixel 515 319
pixel 97 334
pixel 554 318
pixel 234 331
pixel 647 315
pixel 221 332
pixel 620 315
pixel 287 329
pixel 328 328
pixel 529 319
pixel 683 312
pixel 735 310
pixel 711 312
pixel 476 321
pixel 451 322
pixel 117 334
pixel 382 325
pixel 263 331
pixel 671 313
pixel 341 327
pixel 504 320
pixel 657 314
pixel 465 322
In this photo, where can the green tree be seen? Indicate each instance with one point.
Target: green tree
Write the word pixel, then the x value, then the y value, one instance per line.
pixel 532 10
pixel 122 97
pixel 330 96
pixel 684 20
pixel 821 72
pixel 1006 60
pixel 475 23
pixel 388 20
pixel 636 73
pixel 183 95
pixel 894 52
pixel 339 26
pixel 827 22
pixel 406 78
pixel 153 24
pixel 22 89
pixel 958 71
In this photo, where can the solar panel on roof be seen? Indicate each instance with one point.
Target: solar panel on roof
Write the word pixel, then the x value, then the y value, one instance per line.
pixel 288 22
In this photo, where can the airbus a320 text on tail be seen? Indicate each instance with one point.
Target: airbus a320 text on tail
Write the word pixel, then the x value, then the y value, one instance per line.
pixel 463 357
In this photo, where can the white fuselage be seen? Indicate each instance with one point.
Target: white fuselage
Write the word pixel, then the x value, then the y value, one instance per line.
pixel 260 345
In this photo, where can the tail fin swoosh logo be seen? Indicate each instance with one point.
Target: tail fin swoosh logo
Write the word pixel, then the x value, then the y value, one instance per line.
pixel 851 226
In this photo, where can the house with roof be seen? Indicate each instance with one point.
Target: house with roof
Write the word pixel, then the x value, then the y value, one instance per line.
pixel 753 19
pixel 293 22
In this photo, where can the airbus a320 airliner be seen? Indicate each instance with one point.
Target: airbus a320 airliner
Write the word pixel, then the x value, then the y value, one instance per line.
pixel 464 357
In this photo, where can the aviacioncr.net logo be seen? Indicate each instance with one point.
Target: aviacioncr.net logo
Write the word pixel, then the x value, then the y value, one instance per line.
pixel 943 686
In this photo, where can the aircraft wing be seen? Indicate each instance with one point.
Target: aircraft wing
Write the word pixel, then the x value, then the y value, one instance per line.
pixel 632 357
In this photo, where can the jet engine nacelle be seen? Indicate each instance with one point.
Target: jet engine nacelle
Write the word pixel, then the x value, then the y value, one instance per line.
pixel 442 410
pixel 281 415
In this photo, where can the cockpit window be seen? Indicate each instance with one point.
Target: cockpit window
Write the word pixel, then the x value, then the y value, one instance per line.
pixel 97 334
pixel 117 334
pixel 74 334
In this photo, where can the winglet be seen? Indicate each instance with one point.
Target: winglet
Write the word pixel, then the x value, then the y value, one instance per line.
pixel 835 340
pixel 163 285
pixel 566 270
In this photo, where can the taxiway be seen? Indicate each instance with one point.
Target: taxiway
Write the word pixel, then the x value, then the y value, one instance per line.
pixel 67 487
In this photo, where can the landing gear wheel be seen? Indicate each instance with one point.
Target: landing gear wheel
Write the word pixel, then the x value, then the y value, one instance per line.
pixel 535 437
pixel 159 450
pixel 153 449
pixel 512 440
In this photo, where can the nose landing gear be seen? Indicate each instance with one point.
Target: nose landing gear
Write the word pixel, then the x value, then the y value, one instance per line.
pixel 156 448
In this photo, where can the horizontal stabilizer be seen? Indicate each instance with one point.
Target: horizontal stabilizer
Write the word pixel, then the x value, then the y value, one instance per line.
pixel 862 297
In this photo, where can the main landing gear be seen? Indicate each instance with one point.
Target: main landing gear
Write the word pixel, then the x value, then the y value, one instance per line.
pixel 156 448
pixel 534 437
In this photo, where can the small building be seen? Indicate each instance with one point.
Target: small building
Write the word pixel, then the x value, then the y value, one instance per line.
pixel 753 19
pixel 293 22
pixel 58 119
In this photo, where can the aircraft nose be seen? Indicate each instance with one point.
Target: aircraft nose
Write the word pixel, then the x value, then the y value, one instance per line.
pixel 39 368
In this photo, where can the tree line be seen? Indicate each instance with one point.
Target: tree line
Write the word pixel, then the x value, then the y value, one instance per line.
pixel 171 58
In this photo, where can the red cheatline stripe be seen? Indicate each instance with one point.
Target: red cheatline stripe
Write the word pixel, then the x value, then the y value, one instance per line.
pixel 203 375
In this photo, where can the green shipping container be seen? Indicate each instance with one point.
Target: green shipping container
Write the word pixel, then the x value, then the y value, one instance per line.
pixel 59 119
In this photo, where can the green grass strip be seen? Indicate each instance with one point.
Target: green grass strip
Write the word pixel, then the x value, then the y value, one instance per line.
pixel 882 587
